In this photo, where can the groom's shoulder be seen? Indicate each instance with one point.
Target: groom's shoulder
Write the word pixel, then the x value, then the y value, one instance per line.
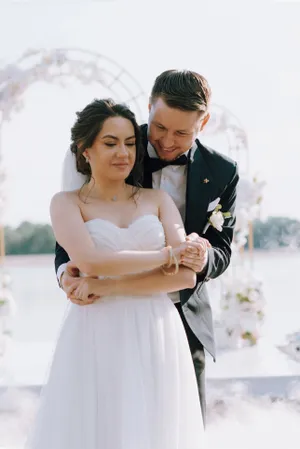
pixel 215 157
pixel 217 162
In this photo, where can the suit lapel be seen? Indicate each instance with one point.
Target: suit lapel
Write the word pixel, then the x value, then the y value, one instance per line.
pixel 201 190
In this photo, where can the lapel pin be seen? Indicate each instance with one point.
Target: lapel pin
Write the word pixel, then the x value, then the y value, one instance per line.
pixel 205 180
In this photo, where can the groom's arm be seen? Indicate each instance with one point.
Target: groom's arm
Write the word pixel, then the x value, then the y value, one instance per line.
pixel 219 254
pixel 61 260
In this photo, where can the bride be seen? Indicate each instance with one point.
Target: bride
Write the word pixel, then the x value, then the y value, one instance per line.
pixel 122 375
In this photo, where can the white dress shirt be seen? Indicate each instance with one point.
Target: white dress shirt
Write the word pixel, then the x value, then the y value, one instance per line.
pixel 171 179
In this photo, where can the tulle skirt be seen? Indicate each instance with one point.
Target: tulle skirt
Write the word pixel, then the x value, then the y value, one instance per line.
pixel 122 377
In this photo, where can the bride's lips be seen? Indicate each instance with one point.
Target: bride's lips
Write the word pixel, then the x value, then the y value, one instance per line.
pixel 121 166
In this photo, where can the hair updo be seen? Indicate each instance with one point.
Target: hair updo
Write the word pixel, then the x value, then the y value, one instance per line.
pixel 88 125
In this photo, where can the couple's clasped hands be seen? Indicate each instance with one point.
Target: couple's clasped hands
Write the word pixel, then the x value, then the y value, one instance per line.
pixel 193 252
pixel 86 290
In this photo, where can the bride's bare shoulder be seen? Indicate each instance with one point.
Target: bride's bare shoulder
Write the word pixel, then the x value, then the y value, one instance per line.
pixel 61 199
pixel 154 195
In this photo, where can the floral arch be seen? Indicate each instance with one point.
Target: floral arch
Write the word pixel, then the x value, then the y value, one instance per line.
pixel 57 66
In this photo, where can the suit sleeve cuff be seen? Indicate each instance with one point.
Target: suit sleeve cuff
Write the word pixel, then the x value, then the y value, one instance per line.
pixel 60 271
pixel 205 261
pixel 203 274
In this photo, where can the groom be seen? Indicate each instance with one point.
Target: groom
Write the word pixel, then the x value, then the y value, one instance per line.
pixel 197 178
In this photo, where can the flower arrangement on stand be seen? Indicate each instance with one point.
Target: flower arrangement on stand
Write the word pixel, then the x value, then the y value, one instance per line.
pixel 241 310
pixel 242 303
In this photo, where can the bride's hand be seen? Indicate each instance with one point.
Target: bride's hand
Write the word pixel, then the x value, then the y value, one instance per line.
pixel 82 291
pixel 87 290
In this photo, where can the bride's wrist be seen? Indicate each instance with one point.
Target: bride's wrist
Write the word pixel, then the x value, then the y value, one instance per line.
pixel 167 253
pixel 172 261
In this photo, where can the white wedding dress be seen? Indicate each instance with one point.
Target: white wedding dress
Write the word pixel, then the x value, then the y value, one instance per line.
pixel 122 376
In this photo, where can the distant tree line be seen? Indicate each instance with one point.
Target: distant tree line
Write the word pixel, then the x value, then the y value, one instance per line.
pixel 276 232
pixel 30 238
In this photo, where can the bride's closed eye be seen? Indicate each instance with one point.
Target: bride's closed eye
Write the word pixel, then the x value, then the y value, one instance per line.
pixel 110 145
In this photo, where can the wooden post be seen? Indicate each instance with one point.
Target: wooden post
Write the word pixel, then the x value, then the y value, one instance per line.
pixel 2 245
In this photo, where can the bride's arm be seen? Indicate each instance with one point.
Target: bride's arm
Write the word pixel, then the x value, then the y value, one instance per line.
pixel 154 281
pixel 150 283
pixel 71 233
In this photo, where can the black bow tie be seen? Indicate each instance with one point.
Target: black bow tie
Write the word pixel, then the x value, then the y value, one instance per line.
pixel 155 164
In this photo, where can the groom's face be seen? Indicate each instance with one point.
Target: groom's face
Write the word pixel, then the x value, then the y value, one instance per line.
pixel 172 131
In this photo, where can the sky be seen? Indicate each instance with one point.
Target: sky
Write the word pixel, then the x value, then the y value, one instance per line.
pixel 248 51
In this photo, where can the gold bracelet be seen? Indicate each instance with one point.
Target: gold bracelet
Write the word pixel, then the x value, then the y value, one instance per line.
pixel 170 260
pixel 175 262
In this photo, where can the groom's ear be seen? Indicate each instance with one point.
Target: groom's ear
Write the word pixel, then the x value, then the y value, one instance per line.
pixel 204 121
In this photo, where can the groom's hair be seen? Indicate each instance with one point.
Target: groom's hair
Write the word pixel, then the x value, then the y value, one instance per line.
pixel 182 89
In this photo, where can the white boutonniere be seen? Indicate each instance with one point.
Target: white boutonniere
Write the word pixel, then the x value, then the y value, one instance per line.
pixel 217 218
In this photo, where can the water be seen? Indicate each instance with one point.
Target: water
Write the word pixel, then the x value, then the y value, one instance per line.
pixel 40 302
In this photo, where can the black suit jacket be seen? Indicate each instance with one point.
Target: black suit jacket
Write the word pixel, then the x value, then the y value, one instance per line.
pixel 210 175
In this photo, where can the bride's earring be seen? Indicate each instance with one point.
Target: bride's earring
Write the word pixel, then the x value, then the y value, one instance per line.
pixel 86 156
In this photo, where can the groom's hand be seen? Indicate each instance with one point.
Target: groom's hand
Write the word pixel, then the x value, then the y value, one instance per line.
pixel 196 259
pixel 68 279
pixel 68 276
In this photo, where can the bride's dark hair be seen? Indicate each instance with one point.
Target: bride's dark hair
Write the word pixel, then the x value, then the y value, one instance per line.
pixel 88 125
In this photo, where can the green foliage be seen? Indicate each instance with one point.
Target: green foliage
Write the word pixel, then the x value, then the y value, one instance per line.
pixel 276 232
pixel 29 238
